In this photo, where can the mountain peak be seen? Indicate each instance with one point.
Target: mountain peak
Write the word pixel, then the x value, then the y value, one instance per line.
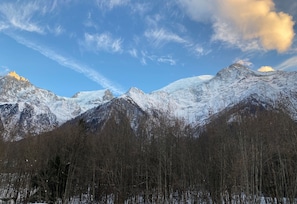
pixel 235 71
pixel 16 76
pixel 237 67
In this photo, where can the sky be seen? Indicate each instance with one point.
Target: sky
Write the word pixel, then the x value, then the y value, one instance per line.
pixel 67 46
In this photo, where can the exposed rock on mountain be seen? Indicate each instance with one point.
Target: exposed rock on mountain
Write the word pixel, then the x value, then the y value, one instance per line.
pixel 196 99
pixel 25 108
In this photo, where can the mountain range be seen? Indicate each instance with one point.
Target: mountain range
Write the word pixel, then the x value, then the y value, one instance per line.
pixel 27 110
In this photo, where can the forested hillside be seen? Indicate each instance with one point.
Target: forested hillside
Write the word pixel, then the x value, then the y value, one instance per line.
pixel 245 159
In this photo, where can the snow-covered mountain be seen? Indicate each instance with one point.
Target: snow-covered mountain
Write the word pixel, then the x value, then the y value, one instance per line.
pixel 25 108
pixel 196 99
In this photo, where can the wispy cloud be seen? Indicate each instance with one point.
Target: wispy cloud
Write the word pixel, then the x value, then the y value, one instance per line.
pixel 110 4
pixel 199 10
pixel 54 5
pixel 58 30
pixel 72 64
pixel 4 70
pixel 90 22
pixel 145 56
pixel 27 15
pixel 3 26
pixel 140 8
pixel 20 16
pixel 159 37
pixel 102 42
pixel 225 33
pixel 167 59
pixel 244 62
pixel 199 51
pixel 133 52
pixel 290 63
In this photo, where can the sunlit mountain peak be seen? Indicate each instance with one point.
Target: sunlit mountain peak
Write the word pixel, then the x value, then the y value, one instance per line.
pixel 16 76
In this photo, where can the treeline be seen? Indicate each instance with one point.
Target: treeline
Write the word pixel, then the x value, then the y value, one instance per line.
pixel 254 157
pixel 251 158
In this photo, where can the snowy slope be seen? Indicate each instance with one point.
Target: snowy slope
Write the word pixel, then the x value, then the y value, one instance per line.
pixel 196 99
pixel 90 99
pixel 25 108
pixel 13 90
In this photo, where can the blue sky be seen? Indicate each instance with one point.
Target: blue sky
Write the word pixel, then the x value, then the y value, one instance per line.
pixel 73 45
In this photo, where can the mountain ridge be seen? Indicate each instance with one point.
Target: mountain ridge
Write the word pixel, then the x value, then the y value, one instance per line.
pixel 33 110
pixel 194 100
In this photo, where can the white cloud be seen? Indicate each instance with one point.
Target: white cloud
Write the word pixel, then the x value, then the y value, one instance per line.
pixel 110 4
pixel 244 62
pixel 200 51
pixel 27 15
pixel 58 30
pixel 266 69
pixel 71 63
pixel 246 24
pixel 290 63
pixel 20 16
pixel 153 21
pixel 89 22
pixel 167 60
pixel 225 33
pixel 140 8
pixel 159 37
pixel 4 70
pixel 143 61
pixel 145 56
pixel 104 41
pixel 54 5
pixel 3 26
pixel 198 10
pixel 133 52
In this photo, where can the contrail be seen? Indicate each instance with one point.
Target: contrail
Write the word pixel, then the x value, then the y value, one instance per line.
pixel 70 63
